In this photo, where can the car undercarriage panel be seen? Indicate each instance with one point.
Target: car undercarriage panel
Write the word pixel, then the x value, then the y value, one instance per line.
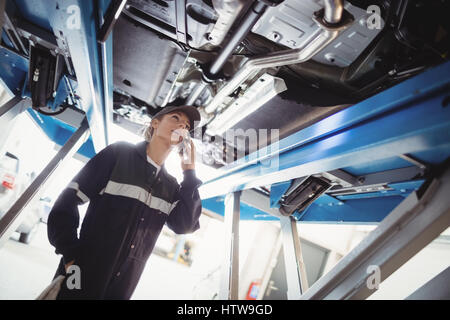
pixel 379 48
pixel 306 71
pixel 145 72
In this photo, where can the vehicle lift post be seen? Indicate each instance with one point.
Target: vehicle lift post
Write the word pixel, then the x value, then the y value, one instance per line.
pixel 229 283
pixel 295 268
pixel 297 282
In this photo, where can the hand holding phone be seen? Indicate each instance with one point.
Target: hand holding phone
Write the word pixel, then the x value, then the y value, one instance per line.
pixel 184 147
pixel 186 150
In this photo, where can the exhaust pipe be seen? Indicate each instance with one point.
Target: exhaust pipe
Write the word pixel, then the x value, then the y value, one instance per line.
pixel 332 20
pixel 333 11
pixel 252 16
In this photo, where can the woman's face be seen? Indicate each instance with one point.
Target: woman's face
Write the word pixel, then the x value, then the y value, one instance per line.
pixel 170 122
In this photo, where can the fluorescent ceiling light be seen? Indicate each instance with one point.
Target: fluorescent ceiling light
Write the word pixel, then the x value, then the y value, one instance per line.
pixel 261 91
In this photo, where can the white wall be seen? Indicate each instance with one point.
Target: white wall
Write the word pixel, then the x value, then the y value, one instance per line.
pixel 420 269
pixel 256 252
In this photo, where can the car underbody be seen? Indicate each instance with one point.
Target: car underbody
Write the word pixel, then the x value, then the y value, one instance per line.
pixel 250 66
pixel 286 67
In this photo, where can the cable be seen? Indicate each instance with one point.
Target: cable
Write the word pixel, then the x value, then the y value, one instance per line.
pixel 186 47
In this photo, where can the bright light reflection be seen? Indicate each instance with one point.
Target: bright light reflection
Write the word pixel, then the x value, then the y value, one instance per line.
pixel 173 161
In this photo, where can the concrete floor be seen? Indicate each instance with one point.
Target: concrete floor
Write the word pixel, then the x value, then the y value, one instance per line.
pixel 25 270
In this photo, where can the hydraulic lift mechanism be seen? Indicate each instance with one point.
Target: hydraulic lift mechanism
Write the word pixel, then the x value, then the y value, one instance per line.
pixel 382 161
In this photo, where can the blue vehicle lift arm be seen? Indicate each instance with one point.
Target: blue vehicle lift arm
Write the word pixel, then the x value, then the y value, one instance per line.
pixel 373 137
pixel 71 25
pixel 387 141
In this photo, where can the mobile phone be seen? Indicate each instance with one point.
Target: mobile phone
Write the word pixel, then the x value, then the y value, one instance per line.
pixel 184 148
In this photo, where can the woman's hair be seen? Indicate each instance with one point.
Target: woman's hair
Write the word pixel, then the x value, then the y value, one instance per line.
pixel 147 129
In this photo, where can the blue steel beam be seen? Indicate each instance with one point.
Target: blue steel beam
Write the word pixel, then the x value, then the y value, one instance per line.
pixel 405 119
pixel 13 74
pixel 59 132
pixel 75 23
pixel 277 190
pixel 363 208
pixel 78 22
pixel 217 205
pixel 106 49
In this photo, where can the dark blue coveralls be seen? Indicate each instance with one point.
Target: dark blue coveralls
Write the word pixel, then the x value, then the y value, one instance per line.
pixel 128 206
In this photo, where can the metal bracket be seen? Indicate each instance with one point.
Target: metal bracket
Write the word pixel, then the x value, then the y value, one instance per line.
pixel 44 75
pixel 414 161
pixel 341 177
pixel 303 195
pixel 378 181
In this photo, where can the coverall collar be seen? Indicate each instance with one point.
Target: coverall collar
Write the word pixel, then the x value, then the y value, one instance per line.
pixel 142 151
